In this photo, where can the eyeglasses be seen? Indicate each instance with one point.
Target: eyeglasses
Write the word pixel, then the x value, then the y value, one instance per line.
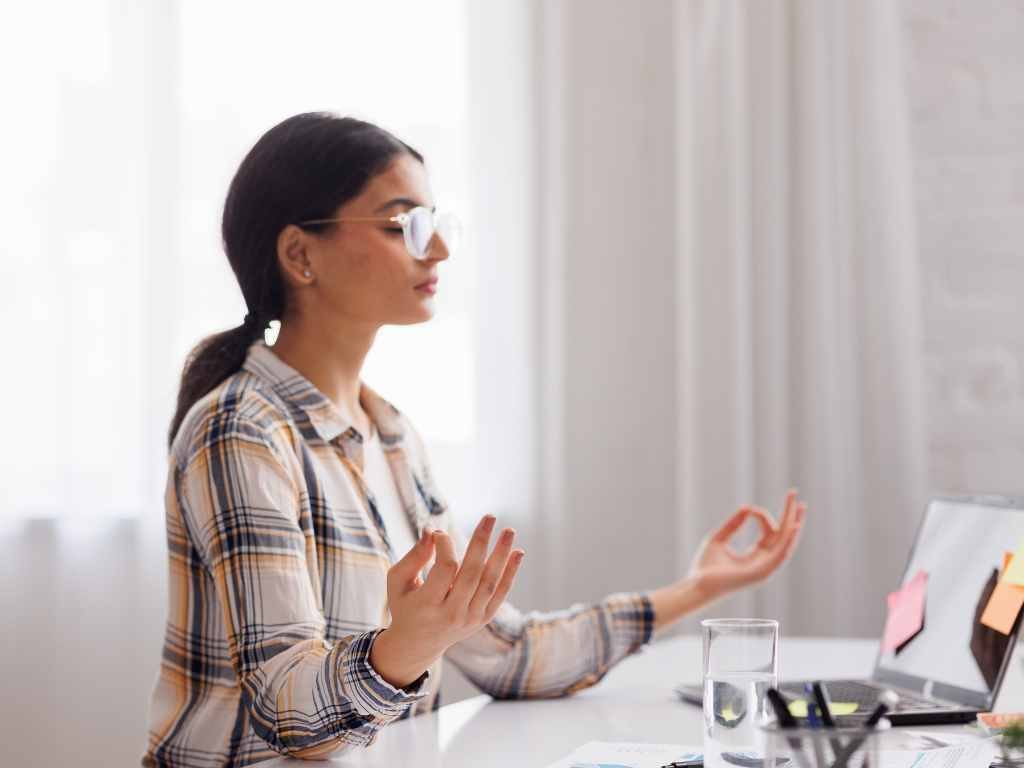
pixel 419 226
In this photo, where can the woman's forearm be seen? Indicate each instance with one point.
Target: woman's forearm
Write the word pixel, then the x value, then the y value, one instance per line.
pixel 676 600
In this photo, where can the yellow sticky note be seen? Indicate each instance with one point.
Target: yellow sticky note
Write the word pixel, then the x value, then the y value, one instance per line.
pixel 798 708
pixel 1015 573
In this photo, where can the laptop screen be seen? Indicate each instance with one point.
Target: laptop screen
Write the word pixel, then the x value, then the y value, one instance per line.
pixel 960 546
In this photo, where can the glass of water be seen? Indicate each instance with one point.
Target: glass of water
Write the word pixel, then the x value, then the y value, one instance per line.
pixel 740 665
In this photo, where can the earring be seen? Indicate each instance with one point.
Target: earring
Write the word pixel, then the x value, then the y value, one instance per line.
pixel 307 273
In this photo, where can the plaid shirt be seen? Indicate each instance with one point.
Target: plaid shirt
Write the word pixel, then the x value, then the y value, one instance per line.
pixel 278 564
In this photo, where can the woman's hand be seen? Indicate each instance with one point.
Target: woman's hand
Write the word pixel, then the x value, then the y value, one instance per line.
pixel 455 601
pixel 719 569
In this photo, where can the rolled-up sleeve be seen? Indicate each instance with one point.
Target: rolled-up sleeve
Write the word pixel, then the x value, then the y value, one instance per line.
pixel 305 697
pixel 542 655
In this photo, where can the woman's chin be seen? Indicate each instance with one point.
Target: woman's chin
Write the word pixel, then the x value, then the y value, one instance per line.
pixel 419 314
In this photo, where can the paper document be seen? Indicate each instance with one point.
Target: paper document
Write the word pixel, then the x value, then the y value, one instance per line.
pixel 974 754
pixel 624 754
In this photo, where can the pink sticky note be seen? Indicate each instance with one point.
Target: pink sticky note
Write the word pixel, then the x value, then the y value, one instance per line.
pixel 906 612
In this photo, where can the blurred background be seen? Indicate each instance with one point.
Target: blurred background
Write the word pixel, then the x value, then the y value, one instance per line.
pixel 713 249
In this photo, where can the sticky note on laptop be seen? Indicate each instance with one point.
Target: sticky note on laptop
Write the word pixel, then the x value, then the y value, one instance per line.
pixel 798 708
pixel 906 613
pixel 1015 573
pixel 1007 598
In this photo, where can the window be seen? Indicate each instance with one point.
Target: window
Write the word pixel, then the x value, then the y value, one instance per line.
pixel 135 118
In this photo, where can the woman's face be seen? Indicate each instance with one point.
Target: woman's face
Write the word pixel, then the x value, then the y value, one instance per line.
pixel 361 271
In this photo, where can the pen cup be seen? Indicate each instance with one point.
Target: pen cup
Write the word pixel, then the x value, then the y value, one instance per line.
pixel 823 747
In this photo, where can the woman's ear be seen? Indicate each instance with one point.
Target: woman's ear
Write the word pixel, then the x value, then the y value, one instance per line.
pixel 293 256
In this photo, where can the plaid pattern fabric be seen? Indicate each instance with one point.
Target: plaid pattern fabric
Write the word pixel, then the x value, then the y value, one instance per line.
pixel 278 561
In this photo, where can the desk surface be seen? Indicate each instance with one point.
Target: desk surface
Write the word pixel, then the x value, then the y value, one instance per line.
pixel 633 703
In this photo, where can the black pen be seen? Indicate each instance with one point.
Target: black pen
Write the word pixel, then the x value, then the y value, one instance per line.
pixel 786 722
pixel 821 698
pixel 781 707
pixel 887 701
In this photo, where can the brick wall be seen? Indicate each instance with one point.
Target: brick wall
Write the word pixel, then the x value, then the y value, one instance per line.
pixel 965 63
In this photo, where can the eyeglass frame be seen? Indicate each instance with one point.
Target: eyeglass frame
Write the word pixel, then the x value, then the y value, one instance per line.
pixel 403 219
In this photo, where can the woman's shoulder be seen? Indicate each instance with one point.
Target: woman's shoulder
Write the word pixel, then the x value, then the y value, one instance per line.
pixel 241 407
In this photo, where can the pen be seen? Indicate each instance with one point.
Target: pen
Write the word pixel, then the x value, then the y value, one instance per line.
pixel 886 701
pixel 824 702
pixel 786 722
pixel 815 736
pixel 821 698
pixel 781 707
pixel 813 721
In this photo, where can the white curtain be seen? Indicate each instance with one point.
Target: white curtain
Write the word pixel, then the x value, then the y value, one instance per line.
pixel 799 309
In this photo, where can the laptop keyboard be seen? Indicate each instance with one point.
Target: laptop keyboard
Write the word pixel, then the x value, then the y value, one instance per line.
pixel 866 696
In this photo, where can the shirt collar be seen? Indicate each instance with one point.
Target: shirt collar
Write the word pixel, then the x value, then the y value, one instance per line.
pixel 305 400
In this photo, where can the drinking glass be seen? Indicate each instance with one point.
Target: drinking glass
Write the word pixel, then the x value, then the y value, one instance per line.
pixel 740 665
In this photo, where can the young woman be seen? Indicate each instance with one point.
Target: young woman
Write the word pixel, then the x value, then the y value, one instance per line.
pixel 316 578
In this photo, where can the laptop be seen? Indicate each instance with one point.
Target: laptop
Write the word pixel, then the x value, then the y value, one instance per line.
pixel 952 669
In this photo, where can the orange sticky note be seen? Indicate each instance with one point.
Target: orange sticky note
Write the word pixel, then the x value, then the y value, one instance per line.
pixel 906 612
pixel 1006 601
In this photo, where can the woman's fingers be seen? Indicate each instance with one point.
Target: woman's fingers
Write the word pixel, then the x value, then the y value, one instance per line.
pixel 445 568
pixel 490 579
pixel 794 531
pixel 774 534
pixel 472 567
pixel 508 578
pixel 404 574
pixel 769 528
pixel 787 540
pixel 789 511
pixel 730 527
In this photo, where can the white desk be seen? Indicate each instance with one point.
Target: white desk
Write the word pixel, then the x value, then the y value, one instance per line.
pixel 633 703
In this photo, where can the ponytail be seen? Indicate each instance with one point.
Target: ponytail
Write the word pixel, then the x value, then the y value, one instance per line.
pixel 210 362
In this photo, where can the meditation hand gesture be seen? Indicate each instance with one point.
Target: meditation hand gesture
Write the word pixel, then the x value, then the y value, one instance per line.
pixel 720 569
pixel 455 601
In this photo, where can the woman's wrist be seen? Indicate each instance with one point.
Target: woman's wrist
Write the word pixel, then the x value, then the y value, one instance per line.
pixel 679 599
pixel 390 656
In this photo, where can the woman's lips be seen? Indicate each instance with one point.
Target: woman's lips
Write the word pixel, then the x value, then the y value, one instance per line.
pixel 428 287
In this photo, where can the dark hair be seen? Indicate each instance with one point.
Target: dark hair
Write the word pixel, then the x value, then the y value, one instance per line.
pixel 303 168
